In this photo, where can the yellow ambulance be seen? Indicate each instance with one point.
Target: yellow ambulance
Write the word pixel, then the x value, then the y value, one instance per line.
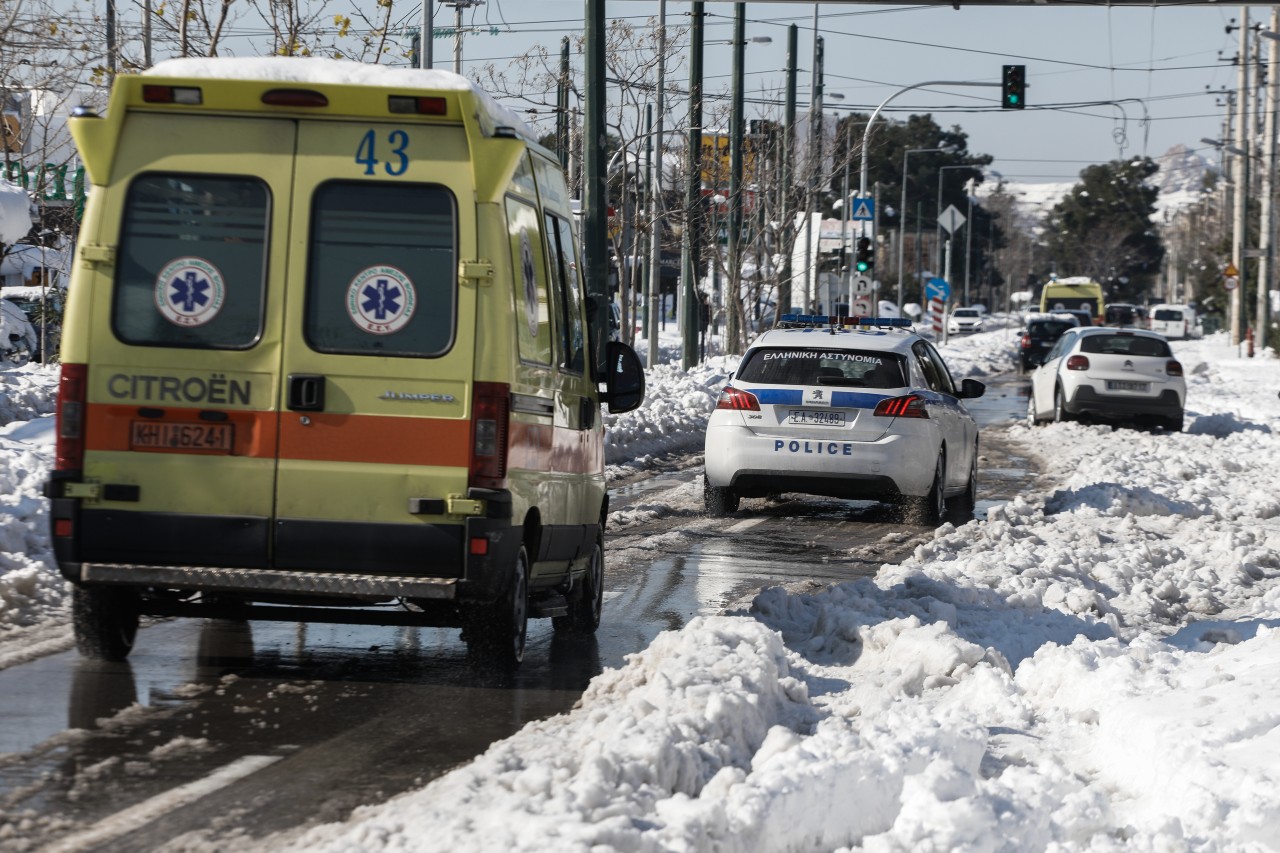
pixel 327 356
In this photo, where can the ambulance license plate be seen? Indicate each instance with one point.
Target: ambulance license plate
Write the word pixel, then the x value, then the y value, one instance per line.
pixel 815 417
pixel 180 437
pixel 1122 385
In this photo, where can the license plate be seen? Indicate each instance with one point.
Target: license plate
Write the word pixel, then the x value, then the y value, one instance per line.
pixel 180 437
pixel 1122 385
pixel 814 417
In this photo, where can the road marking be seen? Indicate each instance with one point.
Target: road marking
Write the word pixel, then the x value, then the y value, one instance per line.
pixel 145 812
pixel 747 524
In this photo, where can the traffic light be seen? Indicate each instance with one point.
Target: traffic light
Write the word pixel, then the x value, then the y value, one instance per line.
pixel 1013 87
pixel 864 259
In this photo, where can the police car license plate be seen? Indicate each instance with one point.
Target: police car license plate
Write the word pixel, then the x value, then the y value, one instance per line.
pixel 180 437
pixel 1122 385
pixel 815 417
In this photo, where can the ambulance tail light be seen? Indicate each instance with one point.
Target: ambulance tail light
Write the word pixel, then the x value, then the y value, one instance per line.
pixel 1078 362
pixel 412 105
pixel 908 406
pixel 72 393
pixel 188 95
pixel 738 400
pixel 490 412
pixel 1173 368
pixel 295 98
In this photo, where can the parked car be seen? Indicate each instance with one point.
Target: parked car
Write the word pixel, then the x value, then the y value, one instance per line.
pixel 1083 317
pixel 18 339
pixel 1039 335
pixel 37 302
pixel 1114 374
pixel 1176 322
pixel 965 321
pixel 865 412
pixel 1125 315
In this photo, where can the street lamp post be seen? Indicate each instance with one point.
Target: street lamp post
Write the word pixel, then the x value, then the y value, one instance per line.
pixel 902 217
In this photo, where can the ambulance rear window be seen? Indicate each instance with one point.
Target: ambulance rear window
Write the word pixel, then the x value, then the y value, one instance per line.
pixel 382 272
pixel 844 368
pixel 192 262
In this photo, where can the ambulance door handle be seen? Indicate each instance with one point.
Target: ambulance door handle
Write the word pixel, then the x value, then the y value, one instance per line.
pixel 306 392
pixel 587 409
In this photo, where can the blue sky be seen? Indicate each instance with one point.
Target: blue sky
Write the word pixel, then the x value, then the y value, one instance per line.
pixel 1164 56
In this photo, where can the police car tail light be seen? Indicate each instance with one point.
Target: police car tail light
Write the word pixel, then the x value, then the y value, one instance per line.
pixel 1173 368
pixel 909 406
pixel 489 414
pixel 738 400
pixel 1078 362
pixel 72 385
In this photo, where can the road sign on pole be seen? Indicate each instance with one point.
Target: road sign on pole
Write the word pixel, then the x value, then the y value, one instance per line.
pixel 937 288
pixel 951 219
pixel 863 210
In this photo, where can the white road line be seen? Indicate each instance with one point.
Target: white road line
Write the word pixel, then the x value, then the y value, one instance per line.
pixel 145 812
pixel 746 524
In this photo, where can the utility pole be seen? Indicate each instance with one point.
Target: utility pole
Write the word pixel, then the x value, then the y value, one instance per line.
pixel 655 194
pixel 788 153
pixel 562 105
pixel 693 194
pixel 1242 177
pixel 1267 266
pixel 815 168
pixel 733 289
pixel 426 33
pixel 458 6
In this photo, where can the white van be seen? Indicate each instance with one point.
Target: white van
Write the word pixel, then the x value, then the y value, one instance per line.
pixel 1175 322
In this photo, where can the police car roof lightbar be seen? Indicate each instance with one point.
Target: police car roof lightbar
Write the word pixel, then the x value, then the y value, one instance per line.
pixel 824 320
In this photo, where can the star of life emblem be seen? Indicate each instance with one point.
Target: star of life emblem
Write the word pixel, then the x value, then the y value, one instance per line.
pixel 381 300
pixel 189 292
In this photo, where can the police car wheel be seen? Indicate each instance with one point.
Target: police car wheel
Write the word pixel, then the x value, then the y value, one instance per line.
pixel 584 611
pixel 105 621
pixel 933 506
pixel 964 503
pixel 719 500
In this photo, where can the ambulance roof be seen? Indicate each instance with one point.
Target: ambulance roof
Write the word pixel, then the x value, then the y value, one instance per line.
pixel 310 69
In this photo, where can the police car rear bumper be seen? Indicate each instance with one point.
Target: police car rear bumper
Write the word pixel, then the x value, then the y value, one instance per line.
pixel 755 465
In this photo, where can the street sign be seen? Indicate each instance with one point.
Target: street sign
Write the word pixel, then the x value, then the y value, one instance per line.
pixel 864 210
pixel 1230 282
pixel 937 288
pixel 1231 271
pixel 862 308
pixel 861 285
pixel 951 219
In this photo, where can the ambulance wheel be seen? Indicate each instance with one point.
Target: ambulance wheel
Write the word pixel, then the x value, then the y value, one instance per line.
pixel 105 620
pixel 584 611
pixel 719 501
pixel 499 631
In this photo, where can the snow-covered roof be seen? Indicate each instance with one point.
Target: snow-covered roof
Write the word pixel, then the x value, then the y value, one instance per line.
pixel 298 69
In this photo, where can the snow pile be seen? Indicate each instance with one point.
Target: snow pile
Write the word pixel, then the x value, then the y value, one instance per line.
pixel 15 212
pixel 1097 669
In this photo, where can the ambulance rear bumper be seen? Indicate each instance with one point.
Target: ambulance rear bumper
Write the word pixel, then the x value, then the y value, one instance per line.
pixel 268 581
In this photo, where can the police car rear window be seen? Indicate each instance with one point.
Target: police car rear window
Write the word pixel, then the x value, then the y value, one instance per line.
pixel 382 271
pixel 192 262
pixel 845 368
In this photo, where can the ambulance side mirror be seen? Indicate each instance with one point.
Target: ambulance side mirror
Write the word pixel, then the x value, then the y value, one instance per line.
pixel 623 380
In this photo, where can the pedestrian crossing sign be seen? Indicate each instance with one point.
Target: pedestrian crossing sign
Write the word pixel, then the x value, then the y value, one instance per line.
pixel 864 209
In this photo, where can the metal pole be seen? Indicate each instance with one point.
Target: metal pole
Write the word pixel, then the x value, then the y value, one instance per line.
pixel 425 33
pixel 733 284
pixel 1242 181
pixel 689 310
pixel 968 245
pixel 655 195
pixel 457 38
pixel 815 166
pixel 595 191
pixel 844 215
pixel 647 282
pixel 562 103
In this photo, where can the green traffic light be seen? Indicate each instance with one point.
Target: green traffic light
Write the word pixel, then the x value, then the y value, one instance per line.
pixel 862 266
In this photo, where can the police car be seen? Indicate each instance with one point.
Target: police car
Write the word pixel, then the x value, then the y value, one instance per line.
pixel 846 408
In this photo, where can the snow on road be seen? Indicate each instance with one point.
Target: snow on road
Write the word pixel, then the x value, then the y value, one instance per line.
pixel 1094 668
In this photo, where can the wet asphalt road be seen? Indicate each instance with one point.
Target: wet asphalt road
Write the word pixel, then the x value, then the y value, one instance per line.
pixel 304 722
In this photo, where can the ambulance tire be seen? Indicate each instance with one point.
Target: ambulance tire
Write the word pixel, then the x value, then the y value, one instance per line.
pixel 498 632
pixel 584 611
pixel 719 501
pixel 105 621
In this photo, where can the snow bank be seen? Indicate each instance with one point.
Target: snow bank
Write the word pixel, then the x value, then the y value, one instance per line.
pixel 15 212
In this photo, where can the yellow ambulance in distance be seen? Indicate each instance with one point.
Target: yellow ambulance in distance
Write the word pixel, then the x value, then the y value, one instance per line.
pixel 327 357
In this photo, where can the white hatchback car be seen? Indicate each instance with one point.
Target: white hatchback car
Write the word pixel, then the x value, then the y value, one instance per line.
pixel 865 410
pixel 1116 374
